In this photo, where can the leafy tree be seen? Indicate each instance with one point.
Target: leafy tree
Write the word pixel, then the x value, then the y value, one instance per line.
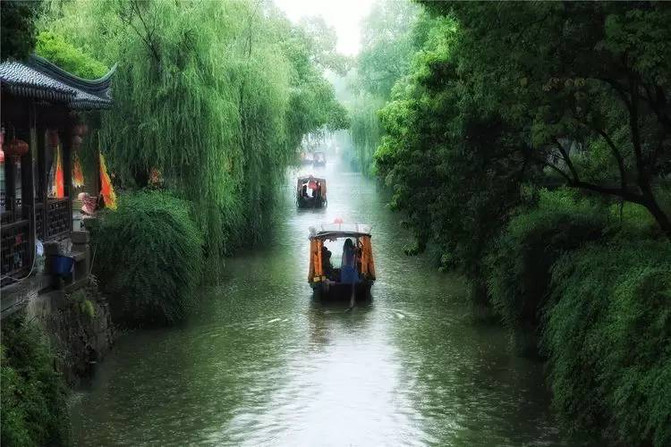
pixel 215 95
pixel 321 41
pixel 388 43
pixel 452 162
pixel 586 84
pixel 18 28
pixel 56 49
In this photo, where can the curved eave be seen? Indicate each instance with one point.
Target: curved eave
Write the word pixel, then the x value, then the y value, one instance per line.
pixel 32 91
pixel 93 86
pixel 91 105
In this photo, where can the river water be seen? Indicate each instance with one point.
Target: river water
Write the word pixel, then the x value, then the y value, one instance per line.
pixel 261 363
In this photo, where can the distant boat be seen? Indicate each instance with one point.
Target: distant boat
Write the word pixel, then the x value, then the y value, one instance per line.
pixel 311 192
pixel 327 280
pixel 307 158
pixel 319 159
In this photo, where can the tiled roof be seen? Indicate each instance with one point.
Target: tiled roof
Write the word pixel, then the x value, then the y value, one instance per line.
pixel 39 78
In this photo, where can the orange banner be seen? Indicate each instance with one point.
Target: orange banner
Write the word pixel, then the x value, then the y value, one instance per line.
pixel 77 173
pixel 59 182
pixel 106 188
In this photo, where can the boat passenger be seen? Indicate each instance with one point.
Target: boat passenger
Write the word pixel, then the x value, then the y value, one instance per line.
pixel 348 273
pixel 327 267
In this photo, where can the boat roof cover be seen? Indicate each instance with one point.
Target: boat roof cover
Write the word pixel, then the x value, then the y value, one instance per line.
pixel 306 178
pixel 340 230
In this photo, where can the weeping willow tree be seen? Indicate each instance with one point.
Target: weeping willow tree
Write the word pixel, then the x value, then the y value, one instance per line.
pixel 389 39
pixel 365 130
pixel 215 95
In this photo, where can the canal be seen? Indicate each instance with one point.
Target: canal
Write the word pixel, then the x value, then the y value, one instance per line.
pixel 260 363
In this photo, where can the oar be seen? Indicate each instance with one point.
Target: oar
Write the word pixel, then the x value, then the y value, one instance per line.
pixel 351 299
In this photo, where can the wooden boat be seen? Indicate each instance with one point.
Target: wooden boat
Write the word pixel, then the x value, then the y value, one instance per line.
pixel 319 159
pixel 307 158
pixel 327 280
pixel 311 192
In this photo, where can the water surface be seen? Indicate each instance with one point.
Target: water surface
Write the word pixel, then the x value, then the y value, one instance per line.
pixel 261 363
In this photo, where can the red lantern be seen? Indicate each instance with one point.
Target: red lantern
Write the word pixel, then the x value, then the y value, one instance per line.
pixel 17 148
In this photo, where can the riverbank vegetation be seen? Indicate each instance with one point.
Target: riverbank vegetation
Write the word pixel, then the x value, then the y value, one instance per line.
pixel 387 45
pixel 34 410
pixel 528 146
pixel 154 230
pixel 212 100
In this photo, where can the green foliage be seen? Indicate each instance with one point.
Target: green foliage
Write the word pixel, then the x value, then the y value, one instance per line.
pixel 215 95
pixel 84 305
pixel 56 49
pixel 33 407
pixel 452 163
pixel 608 339
pixel 388 43
pixel 17 29
pixel 365 130
pixel 149 258
pixel 504 99
pixel 583 84
pixel 518 266
pixel 320 41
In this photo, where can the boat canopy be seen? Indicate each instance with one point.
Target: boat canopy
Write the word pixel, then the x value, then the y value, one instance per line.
pixel 307 178
pixel 336 230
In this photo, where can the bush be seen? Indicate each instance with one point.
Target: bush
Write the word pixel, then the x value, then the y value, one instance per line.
pixel 608 338
pixel 149 258
pixel 33 403
pixel 518 266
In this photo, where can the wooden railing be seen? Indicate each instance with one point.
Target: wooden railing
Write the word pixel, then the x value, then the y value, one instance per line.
pixel 17 234
pixel 16 250
pixel 59 218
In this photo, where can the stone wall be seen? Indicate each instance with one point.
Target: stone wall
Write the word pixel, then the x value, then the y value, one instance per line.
pixel 79 326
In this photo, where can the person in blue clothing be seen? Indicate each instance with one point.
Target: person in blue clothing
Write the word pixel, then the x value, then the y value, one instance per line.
pixel 349 275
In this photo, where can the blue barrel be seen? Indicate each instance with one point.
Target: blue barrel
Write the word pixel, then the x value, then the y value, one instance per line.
pixel 61 265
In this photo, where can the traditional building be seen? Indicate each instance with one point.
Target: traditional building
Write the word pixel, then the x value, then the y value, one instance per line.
pixel 41 111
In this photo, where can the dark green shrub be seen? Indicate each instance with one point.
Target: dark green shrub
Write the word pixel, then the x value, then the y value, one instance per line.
pixel 149 258
pixel 33 399
pixel 608 338
pixel 518 266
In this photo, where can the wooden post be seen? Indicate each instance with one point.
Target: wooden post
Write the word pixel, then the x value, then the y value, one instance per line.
pixel 42 176
pixel 27 185
pixel 26 172
pixel 10 183
pixel 66 144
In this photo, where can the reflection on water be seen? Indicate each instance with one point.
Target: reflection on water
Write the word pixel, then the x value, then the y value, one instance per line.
pixel 262 363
